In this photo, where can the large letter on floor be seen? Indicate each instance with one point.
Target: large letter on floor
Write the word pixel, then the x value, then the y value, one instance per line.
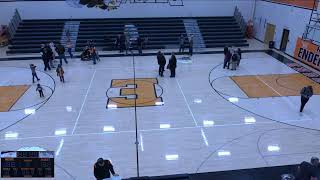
pixel 145 95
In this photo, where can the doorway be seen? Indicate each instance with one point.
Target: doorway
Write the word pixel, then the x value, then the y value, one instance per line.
pixel 284 40
pixel 269 33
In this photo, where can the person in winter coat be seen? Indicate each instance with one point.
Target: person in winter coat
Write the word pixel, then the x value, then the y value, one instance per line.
pixel 227 59
pixel 306 93
pixel 240 56
pixel 61 50
pixel 161 62
pixel 102 169
pixel 234 61
pixel 46 57
pixel 172 65
pixel 181 43
pixel 60 73
pixel 191 45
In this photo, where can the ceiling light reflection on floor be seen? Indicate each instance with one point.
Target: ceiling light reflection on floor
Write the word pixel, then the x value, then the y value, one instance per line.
pixel 60 132
pixel 198 101
pixel 69 108
pixel 249 120
pixel 108 129
pixel 165 126
pixel 207 123
pixel 159 103
pixel 112 106
pixel 224 153
pixel 11 135
pixel 233 99
pixel 29 111
pixel 172 157
pixel 273 148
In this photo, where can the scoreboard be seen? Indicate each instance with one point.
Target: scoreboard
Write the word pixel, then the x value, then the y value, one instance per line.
pixel 27 164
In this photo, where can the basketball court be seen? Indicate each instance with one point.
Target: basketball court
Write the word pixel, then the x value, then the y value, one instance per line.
pixel 206 119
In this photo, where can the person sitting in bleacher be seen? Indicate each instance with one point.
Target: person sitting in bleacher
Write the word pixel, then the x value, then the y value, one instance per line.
pixel 308 171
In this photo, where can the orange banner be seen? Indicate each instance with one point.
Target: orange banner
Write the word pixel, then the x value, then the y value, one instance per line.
pixel 308 53
pixel 300 3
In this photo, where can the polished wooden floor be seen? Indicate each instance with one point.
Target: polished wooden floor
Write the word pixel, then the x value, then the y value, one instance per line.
pixel 9 95
pixel 260 86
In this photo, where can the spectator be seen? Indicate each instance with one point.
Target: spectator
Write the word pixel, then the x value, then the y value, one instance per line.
pixel 306 93
pixel 52 47
pixel 172 65
pixel 161 62
pixel 46 57
pixel 240 56
pixel 60 73
pixel 308 171
pixel 140 44
pixel 191 45
pixel 234 61
pixel 40 90
pixel 69 47
pixel 227 59
pixel 102 169
pixel 182 39
pixel 50 55
pixel 34 73
pixel 61 50
pixel 122 42
pixel 117 43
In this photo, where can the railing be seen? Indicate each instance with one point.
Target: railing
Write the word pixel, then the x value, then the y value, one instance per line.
pixel 240 20
pixel 14 23
pixel 312 33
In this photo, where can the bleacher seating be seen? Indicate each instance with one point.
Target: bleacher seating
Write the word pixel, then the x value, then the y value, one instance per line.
pixel 221 31
pixel 31 33
pixel 162 33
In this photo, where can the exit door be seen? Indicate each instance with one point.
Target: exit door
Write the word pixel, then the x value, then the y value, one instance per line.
pixel 284 40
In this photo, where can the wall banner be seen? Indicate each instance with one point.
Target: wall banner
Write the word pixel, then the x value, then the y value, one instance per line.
pixel 308 53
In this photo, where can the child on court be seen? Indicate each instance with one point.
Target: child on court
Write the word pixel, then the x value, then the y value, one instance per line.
pixel 34 73
pixel 40 90
pixel 60 73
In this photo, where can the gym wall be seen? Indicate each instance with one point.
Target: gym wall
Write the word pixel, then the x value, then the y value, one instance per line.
pixel 61 10
pixel 282 16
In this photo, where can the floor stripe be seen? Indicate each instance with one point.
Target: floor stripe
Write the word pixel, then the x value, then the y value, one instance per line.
pixel 150 130
pixel 84 101
pixel 185 99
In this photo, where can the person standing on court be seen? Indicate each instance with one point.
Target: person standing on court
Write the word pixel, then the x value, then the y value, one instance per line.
pixel 140 44
pixel 61 50
pixel 182 39
pixel 50 55
pixel 46 57
pixel 102 169
pixel 161 62
pixel 40 90
pixel 240 56
pixel 69 47
pixel 34 73
pixel 306 93
pixel 60 72
pixel 172 65
pixel 191 45
pixel 227 58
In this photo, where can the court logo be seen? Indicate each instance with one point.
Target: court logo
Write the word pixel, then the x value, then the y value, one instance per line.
pixel 126 93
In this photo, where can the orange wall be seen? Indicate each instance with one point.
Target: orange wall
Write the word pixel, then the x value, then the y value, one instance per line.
pixel 300 3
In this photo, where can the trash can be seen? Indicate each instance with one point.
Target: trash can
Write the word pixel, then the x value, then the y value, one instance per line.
pixel 271 44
